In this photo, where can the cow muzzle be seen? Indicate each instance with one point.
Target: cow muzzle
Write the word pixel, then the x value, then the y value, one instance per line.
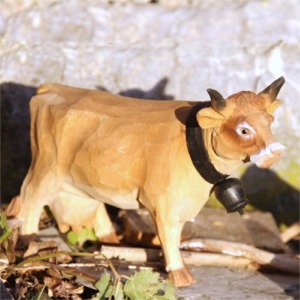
pixel 268 156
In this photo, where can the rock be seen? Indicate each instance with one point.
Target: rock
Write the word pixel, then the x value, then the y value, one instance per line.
pixel 226 284
pixel 128 44
pixel 254 228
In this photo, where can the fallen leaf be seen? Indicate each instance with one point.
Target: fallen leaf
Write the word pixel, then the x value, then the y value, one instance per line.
pixel 143 285
pixel 40 248
pixel 118 291
pixel 45 248
pixel 51 282
pixel 104 286
pixel 79 238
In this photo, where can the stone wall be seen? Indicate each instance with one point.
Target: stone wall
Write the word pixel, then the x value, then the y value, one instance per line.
pixel 120 45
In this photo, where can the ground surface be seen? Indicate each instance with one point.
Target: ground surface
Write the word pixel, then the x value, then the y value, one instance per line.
pixel 222 284
pixel 215 283
pixel 212 283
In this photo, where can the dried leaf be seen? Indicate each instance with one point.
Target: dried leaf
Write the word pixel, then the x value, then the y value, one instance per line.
pixel 45 248
pixel 55 273
pixel 40 248
pixel 52 282
pixel 62 288
pixel 27 284
pixel 78 290
pixel 3 260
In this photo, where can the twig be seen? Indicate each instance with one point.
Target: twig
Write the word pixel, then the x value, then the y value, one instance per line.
pixel 278 261
pixel 68 270
pixel 137 255
pixel 141 255
pixel 40 260
pixel 226 254
pixel 290 232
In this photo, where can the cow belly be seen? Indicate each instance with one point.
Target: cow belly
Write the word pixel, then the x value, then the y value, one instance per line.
pixel 121 199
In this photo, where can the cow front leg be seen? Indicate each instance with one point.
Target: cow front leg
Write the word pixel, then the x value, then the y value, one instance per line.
pixel 169 232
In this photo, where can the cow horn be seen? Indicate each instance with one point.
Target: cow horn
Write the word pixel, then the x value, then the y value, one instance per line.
pixel 274 88
pixel 218 103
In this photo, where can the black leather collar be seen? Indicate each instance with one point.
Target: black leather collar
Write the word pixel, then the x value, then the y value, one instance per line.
pixel 197 150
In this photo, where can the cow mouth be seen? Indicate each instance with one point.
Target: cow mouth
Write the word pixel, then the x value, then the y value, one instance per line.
pixel 246 160
pixel 268 156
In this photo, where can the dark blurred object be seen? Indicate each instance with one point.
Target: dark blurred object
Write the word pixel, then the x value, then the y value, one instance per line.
pixel 4 293
pixel 15 140
pixel 266 191
pixel 156 93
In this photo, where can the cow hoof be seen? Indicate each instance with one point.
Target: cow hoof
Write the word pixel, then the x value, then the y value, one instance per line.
pixel 181 277
pixel 111 238
pixel 14 207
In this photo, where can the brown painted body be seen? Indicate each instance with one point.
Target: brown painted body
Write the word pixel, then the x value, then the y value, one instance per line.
pixel 92 147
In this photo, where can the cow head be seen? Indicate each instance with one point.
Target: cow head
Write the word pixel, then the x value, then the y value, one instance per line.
pixel 241 125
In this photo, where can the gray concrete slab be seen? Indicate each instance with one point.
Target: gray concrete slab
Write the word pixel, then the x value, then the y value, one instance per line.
pixel 221 284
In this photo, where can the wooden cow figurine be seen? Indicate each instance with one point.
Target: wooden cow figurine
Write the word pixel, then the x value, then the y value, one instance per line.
pixel 90 147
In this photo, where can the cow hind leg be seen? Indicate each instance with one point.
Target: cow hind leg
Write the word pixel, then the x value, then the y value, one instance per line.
pixel 103 226
pixel 70 209
pixel 32 199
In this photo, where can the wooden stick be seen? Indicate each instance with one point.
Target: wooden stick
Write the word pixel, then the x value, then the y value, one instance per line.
pixel 141 255
pixel 278 261
pixel 218 260
pixel 290 232
pixel 138 255
pixel 225 254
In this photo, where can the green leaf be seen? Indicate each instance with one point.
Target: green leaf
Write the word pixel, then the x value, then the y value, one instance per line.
pixel 5 231
pixel 104 286
pixel 118 291
pixel 72 238
pixel 3 221
pixel 81 237
pixel 86 235
pixel 143 285
pixel 169 291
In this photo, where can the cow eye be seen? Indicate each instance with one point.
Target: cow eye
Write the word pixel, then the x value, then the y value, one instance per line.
pixel 245 130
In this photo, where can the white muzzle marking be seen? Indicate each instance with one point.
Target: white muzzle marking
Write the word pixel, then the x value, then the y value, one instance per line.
pixel 268 155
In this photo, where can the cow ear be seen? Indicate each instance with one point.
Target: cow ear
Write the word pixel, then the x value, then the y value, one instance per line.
pixel 271 107
pixel 209 118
